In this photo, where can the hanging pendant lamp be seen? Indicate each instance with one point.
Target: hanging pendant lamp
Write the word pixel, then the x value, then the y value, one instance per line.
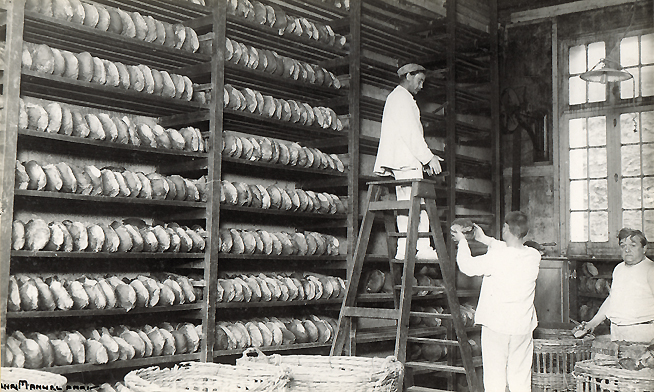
pixel 605 73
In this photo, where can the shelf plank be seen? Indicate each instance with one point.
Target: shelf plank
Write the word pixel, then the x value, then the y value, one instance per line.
pixel 103 255
pixel 232 256
pixel 263 304
pixel 289 214
pixel 76 142
pixel 287 347
pixel 103 97
pixel 132 363
pixel 105 199
pixel 252 123
pixel 101 312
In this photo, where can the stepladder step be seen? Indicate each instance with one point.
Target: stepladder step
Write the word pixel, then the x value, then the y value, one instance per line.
pixel 432 340
pixel 374 313
pixel 416 388
pixel 437 367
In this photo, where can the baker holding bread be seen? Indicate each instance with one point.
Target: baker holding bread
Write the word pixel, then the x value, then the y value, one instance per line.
pixel 403 152
pixel 630 304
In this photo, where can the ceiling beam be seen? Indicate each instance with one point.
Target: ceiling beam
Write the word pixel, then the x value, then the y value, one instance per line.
pixel 543 13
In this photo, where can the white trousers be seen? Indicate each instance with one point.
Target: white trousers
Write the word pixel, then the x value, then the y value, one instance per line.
pixel 404 193
pixel 641 333
pixel 507 360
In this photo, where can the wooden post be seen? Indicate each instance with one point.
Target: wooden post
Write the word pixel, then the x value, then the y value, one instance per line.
pixel 496 162
pixel 213 206
pixel 353 141
pixel 15 11
pixel 450 141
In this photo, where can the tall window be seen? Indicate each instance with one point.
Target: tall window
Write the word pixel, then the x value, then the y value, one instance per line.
pixel 608 133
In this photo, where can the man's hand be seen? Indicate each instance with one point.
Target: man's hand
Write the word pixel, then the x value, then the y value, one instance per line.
pixel 456 233
pixel 433 167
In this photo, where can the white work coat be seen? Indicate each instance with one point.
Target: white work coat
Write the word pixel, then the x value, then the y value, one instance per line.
pixel 402 144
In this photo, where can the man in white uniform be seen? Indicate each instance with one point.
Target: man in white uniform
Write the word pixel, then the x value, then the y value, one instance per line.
pixel 403 152
pixel 630 304
pixel 506 309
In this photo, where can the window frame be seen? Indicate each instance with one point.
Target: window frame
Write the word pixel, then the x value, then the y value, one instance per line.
pixel 612 108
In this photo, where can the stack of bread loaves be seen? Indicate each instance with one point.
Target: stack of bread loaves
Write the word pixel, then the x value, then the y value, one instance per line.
pixel 130 235
pixel 100 345
pixel 38 292
pixel 118 21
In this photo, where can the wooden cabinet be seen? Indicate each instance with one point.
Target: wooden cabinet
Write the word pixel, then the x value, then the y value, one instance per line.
pixel 553 290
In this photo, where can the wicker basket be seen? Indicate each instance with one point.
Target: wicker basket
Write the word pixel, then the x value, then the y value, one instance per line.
pixel 593 377
pixel 207 377
pixel 555 358
pixel 18 379
pixel 319 373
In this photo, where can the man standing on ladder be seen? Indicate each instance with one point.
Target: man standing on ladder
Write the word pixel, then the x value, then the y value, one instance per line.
pixel 403 152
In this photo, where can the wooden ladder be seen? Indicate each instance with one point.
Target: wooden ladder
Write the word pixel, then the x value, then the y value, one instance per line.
pixel 456 336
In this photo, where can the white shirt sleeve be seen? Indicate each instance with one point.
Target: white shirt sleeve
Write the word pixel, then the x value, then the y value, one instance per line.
pixel 474 265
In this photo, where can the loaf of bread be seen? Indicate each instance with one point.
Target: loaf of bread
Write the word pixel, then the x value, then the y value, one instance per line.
pixel 37 117
pixel 105 123
pixel 104 18
pixel 85 66
pixel 151 29
pixel 136 78
pixel 148 79
pixel 59 62
pixel 91 15
pixel 78 11
pixel 161 32
pixel 67 124
pixel 96 131
pixel 112 75
pixel 78 232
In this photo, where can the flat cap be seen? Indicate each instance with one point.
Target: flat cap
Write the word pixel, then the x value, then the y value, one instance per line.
pixel 411 67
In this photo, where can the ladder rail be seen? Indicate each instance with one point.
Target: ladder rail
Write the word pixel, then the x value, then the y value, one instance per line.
pixel 423 197
pixel 354 274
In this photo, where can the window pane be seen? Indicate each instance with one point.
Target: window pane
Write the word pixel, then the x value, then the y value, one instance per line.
pixel 630 160
pixel 629 51
pixel 579 226
pixel 577 60
pixel 595 53
pixel 647 126
pixel 648 192
pixel 631 193
pixel 629 128
pixel 596 92
pixel 599 226
pixel 599 196
pixel 578 164
pixel 632 219
pixel 627 87
pixel 578 195
pixel 648 159
pixel 597 163
pixel 577 89
pixel 577 132
pixel 597 130
pixel 649 223
pixel 647 49
pixel 647 81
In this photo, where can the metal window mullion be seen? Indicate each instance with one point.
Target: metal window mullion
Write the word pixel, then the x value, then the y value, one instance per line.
pixel 614 171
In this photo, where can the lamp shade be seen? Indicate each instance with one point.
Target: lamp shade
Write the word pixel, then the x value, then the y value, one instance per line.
pixel 605 74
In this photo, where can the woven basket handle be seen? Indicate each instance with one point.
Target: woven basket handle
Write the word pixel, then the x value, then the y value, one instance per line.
pixel 253 353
